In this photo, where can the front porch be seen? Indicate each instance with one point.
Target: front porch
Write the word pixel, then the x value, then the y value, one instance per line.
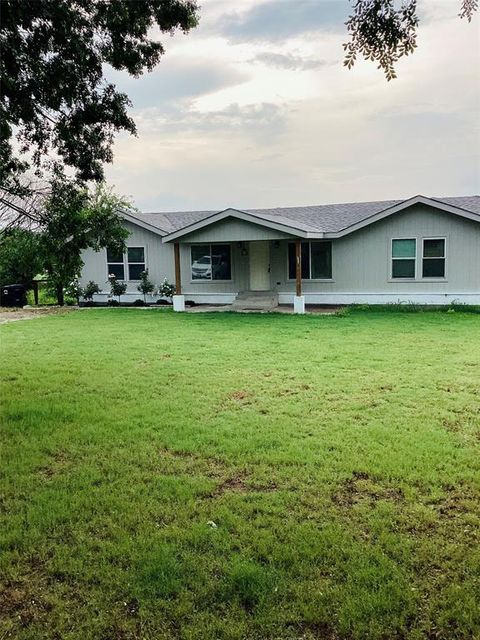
pixel 238 273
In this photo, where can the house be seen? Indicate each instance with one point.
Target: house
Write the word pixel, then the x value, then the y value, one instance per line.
pixel 422 250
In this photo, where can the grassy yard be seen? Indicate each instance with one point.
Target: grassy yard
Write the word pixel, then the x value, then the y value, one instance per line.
pixel 218 476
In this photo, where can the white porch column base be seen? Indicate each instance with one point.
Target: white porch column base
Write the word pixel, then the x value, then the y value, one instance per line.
pixel 298 304
pixel 178 303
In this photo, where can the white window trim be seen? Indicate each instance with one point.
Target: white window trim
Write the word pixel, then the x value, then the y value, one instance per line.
pixel 444 257
pixel 211 280
pixel 309 242
pixel 144 261
pixel 414 258
pixel 111 262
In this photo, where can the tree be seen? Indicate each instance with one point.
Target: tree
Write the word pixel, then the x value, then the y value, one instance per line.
pixel 20 259
pixel 89 290
pixel 74 220
pixel 146 286
pixel 381 33
pixel 53 90
pixel 117 287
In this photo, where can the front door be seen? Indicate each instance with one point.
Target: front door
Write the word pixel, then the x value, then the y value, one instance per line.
pixel 259 251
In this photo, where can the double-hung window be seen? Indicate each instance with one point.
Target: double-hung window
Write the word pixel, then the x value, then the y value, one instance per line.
pixel 316 261
pixel 433 258
pixel 404 256
pixel 115 264
pixel 211 262
pixel 136 262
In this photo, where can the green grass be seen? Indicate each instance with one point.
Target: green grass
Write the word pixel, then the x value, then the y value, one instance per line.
pixel 170 476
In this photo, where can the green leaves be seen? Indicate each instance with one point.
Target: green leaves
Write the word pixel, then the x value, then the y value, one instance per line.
pixel 381 33
pixel 52 85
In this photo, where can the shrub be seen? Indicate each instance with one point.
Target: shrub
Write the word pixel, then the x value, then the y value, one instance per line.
pixel 74 290
pixel 166 289
pixel 113 303
pixel 146 286
pixel 139 303
pixel 89 290
pixel 117 287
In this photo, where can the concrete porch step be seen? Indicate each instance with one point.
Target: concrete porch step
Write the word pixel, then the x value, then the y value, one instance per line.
pixel 255 301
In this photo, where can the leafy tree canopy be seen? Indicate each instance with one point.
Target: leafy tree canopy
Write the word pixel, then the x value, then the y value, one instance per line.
pixel 74 220
pixel 383 31
pixel 53 91
pixel 20 259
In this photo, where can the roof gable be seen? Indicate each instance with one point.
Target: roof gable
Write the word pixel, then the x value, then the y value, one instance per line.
pixel 277 223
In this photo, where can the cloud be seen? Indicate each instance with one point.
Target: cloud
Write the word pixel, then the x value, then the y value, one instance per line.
pixel 273 20
pixel 250 122
pixel 288 61
pixel 175 80
pixel 262 121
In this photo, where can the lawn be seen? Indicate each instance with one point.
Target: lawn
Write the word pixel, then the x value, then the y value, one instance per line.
pixel 219 476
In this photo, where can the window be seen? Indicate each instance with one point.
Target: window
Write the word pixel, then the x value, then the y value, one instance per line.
pixel 136 262
pixel 316 261
pixel 115 264
pixel 433 262
pixel 404 252
pixel 211 262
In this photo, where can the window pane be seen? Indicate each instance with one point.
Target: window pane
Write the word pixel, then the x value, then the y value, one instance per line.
pixel 136 254
pixel 434 268
pixel 403 268
pixel 201 264
pixel 434 248
pixel 116 270
pixel 321 259
pixel 292 272
pixel 305 261
pixel 114 256
pixel 221 264
pixel 135 271
pixel 403 248
pixel 291 261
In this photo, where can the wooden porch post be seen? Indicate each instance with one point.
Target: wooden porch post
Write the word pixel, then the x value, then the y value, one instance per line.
pixel 178 281
pixel 298 267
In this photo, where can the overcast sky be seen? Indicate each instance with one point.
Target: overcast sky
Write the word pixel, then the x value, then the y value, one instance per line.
pixel 254 109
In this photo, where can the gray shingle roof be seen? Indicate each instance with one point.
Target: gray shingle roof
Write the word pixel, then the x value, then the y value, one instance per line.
pixel 327 218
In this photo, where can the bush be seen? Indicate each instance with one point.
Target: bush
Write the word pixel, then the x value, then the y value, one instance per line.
pixel 117 287
pixel 166 289
pixel 89 290
pixel 113 303
pixel 146 286
pixel 163 302
pixel 140 303
pixel 190 303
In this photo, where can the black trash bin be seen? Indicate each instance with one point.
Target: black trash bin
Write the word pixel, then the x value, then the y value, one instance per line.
pixel 13 295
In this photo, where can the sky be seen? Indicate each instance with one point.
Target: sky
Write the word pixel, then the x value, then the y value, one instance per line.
pixel 254 108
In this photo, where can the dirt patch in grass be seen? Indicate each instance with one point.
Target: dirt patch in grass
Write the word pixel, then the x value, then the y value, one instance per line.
pixel 361 488
pixel 22 603
pixel 240 481
pixel 240 395
pixel 59 463
pixel 11 314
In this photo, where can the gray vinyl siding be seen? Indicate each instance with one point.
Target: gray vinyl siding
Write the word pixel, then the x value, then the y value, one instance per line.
pixel 361 262
pixel 158 258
